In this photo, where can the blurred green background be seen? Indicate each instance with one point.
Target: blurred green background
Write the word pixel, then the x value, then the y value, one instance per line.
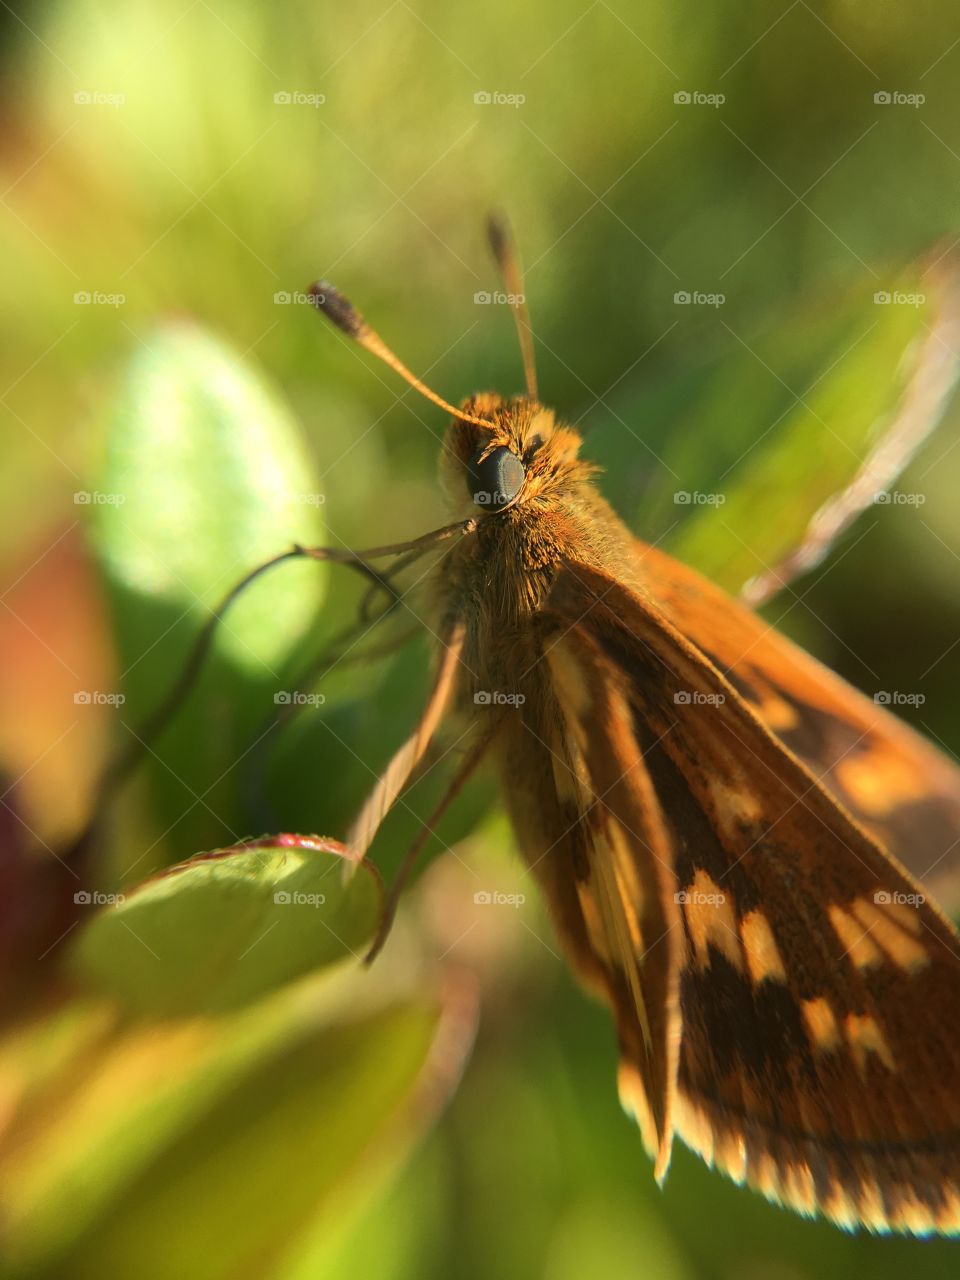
pixel 173 174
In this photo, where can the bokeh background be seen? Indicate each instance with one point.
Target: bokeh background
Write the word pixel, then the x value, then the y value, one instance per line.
pixel 174 174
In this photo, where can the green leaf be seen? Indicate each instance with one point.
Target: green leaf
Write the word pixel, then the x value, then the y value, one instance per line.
pixel 204 478
pixel 782 422
pixel 238 1132
pixel 227 928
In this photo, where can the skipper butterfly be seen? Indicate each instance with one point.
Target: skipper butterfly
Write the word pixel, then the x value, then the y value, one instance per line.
pixel 719 825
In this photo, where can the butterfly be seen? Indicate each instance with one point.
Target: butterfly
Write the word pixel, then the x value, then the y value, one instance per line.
pixel 720 826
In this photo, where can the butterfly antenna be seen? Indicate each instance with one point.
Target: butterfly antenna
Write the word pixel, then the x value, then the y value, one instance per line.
pixel 338 309
pixel 505 252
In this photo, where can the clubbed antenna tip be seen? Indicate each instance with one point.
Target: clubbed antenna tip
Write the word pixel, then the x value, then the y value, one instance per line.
pixel 340 310
pixel 498 235
pixel 347 318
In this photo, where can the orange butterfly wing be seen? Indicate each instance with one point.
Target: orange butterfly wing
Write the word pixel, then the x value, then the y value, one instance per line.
pixel 599 850
pixel 893 781
pixel 819 1055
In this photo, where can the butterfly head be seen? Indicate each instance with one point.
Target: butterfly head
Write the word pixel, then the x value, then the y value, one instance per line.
pixel 521 455
pixel 500 454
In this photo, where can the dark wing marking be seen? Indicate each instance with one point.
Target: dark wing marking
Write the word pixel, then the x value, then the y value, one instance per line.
pixel 591 833
pixel 820 992
pixel 893 781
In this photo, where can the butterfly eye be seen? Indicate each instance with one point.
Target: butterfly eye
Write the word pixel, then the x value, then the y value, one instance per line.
pixel 496 480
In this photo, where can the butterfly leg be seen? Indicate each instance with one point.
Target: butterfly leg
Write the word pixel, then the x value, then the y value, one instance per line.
pixel 457 783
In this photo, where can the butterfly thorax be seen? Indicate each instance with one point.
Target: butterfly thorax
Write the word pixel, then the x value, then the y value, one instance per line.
pixel 499 578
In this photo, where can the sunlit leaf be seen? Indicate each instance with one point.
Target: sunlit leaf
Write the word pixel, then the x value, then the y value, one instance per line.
pixel 204 478
pixel 226 928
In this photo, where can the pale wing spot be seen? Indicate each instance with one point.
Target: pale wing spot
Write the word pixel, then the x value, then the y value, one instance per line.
pixel 821 1024
pixel 565 781
pixel 914 1214
pixel 799 1189
pixel 865 1037
pixel 905 916
pixel 569 678
pixel 766 1176
pixel 633 1099
pixel 731 1156
pixel 611 845
pixel 734 806
pixel 711 921
pixel 839 1208
pixel 763 955
pixel 570 775
pixel 855 939
pixel 870 1206
pixel 695 1127
pixel 594 922
pixel 949 1219
pixel 877 783
pixel 777 712
pixel 903 949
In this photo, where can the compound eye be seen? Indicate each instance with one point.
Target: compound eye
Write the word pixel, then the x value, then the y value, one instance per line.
pixel 496 480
